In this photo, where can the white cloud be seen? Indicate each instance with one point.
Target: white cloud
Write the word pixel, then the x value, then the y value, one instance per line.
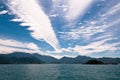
pixel 8 46
pixel 31 14
pixel 54 15
pixel 99 43
pixel 82 32
pixel 100 24
pixel 111 24
pixel 112 10
pixel 77 8
pixel 16 20
pixel 96 47
pixel 58 7
pixel 104 36
pixel 70 9
pixel 93 47
pixel 3 12
pixel 53 0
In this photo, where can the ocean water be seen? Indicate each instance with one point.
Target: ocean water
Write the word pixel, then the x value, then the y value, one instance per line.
pixel 59 72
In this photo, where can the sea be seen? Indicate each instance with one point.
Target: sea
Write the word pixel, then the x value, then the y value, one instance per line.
pixel 59 72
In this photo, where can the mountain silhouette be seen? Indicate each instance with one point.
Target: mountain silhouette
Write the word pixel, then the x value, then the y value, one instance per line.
pixel 35 58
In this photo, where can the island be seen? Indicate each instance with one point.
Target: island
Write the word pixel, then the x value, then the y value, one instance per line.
pixel 93 61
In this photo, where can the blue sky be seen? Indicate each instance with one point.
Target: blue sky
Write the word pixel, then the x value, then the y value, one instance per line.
pixel 60 27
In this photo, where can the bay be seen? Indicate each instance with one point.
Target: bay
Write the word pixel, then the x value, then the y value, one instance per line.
pixel 59 72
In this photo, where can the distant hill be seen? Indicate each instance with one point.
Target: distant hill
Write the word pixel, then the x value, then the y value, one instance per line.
pixel 109 60
pixel 66 60
pixel 26 58
pixel 93 61
pixel 19 58
pixel 45 59
pixel 76 60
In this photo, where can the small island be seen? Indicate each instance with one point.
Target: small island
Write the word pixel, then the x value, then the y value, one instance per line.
pixel 93 61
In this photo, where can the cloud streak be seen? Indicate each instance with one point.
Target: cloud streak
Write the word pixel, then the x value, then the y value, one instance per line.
pixel 91 27
pixel 77 8
pixel 94 47
pixel 9 45
pixel 70 10
pixel 31 14
pixel 95 33
pixel 3 12
pixel 84 27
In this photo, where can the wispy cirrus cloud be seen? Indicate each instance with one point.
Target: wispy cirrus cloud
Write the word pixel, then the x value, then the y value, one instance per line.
pixel 31 14
pixel 84 27
pixel 70 10
pixel 96 47
pixel 96 32
pixel 93 47
pixel 111 11
pixel 100 24
pixel 88 30
pixel 77 8
pixel 9 45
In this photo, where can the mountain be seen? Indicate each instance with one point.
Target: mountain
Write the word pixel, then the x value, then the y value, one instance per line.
pixel 82 59
pixel 19 58
pixel 45 59
pixel 66 60
pixel 26 58
pixel 110 60
pixel 76 60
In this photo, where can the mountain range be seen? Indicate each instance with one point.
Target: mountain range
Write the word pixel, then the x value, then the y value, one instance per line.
pixel 27 58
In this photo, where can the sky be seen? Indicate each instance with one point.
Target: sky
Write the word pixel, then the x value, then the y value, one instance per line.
pixel 60 27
